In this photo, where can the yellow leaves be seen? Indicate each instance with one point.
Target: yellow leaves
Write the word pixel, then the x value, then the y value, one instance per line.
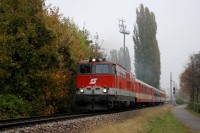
pixel 6 38
pixel 58 90
pixel 3 57
pixel 39 73
pixel 57 77
pixel 4 73
pixel 67 34
pixel 49 110
pixel 62 58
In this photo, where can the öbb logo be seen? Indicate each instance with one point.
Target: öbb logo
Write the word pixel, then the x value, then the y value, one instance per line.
pixel 93 81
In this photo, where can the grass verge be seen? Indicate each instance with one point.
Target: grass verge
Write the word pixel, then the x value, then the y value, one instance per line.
pixel 151 120
pixel 193 112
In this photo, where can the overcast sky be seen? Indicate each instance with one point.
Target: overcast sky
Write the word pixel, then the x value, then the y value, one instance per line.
pixel 178 24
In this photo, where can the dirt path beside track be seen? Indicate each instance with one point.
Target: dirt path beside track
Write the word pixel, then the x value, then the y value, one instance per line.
pixel 186 117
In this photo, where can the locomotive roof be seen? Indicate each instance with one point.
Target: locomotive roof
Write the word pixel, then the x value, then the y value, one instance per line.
pixel 102 62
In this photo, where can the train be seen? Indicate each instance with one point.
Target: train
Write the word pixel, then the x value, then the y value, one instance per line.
pixel 104 85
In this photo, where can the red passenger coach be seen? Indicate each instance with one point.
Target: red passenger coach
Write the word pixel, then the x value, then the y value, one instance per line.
pixel 148 95
pixel 103 85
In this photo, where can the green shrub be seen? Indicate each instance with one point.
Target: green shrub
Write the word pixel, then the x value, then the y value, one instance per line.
pixel 11 106
pixel 190 105
pixel 179 100
pixel 197 107
pixel 194 106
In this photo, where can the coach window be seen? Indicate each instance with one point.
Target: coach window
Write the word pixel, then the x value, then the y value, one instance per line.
pixel 104 69
pixel 85 68
pixel 140 88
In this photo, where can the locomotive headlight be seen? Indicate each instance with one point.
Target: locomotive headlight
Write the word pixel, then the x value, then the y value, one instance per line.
pixel 93 60
pixel 105 90
pixel 81 90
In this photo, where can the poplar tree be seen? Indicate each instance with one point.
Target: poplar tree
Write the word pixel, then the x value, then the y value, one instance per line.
pixel 127 60
pixel 117 57
pixel 147 54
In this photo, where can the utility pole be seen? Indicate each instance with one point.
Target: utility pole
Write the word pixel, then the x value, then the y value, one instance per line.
pixel 122 29
pixel 171 87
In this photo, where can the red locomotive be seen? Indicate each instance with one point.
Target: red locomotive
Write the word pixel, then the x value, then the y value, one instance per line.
pixel 103 85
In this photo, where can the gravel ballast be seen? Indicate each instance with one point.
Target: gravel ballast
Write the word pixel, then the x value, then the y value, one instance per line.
pixel 76 125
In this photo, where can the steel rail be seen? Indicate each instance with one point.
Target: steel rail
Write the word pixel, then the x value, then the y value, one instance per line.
pixel 24 122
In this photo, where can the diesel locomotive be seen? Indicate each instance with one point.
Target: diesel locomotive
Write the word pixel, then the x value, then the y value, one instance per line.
pixel 103 85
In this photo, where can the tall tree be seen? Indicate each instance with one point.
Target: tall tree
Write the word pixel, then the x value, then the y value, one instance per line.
pixel 27 54
pixel 147 54
pixel 113 57
pixel 38 56
pixel 190 78
pixel 118 57
pixel 96 46
pixel 127 60
pixel 121 56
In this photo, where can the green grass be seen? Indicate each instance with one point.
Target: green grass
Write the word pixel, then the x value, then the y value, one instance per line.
pixel 166 124
pixel 193 112
pixel 152 120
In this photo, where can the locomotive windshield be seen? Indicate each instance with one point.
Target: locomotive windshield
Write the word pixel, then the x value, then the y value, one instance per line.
pixel 85 68
pixel 101 68
pixel 96 69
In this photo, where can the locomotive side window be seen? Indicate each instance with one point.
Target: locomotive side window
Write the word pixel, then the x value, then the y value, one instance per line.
pixel 102 69
pixel 85 68
pixel 114 71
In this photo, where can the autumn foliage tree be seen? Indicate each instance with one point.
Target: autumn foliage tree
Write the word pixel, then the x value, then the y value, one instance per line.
pixel 96 46
pixel 38 56
pixel 70 39
pixel 27 56
pixel 190 80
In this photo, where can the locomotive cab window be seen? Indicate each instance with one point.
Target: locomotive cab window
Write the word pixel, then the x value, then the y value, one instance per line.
pixel 85 68
pixel 101 68
pixel 114 71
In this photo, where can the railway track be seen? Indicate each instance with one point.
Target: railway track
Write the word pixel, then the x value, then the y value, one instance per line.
pixel 26 122
pixel 22 122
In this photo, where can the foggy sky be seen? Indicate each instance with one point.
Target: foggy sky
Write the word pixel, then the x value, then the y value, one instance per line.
pixel 178 27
